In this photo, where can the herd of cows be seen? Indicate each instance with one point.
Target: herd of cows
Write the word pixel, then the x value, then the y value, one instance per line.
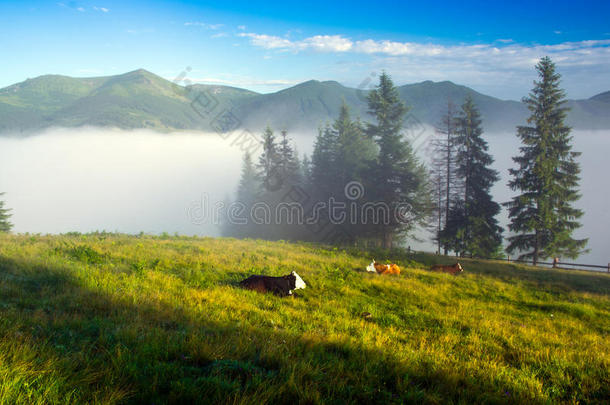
pixel 285 285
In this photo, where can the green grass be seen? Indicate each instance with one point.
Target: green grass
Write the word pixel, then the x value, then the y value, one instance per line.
pixel 106 318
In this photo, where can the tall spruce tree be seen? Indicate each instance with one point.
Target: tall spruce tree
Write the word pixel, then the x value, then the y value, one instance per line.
pixel 306 170
pixel 472 222
pixel 269 163
pixel 437 183
pixel 342 154
pixel 5 224
pixel 247 194
pixel 352 155
pixel 288 161
pixel 353 151
pixel 542 217
pixel 323 162
pixel 397 177
pixel 248 187
pixel 444 171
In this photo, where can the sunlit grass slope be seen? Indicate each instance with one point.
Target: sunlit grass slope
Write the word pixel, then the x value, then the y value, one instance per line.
pixel 109 318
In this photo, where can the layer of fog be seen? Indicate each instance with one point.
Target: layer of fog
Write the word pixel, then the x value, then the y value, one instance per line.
pixel 594 187
pixel 94 179
pixel 130 181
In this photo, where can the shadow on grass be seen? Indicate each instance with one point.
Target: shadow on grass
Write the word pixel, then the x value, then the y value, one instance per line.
pixel 108 349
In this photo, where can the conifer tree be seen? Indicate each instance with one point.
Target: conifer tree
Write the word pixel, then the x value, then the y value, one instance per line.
pixel 248 188
pixel 352 155
pixel 353 151
pixel 305 170
pixel 444 171
pixel 397 177
pixel 472 223
pixel 342 154
pixel 268 163
pixel 438 183
pixel 5 224
pixel 288 161
pixel 248 191
pixel 542 216
pixel 322 161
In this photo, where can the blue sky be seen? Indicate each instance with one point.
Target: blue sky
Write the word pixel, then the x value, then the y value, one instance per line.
pixel 267 46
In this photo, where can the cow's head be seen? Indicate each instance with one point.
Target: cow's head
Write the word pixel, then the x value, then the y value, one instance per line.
pixel 371 267
pixel 298 281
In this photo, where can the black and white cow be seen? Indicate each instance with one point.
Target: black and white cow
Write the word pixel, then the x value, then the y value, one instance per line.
pixel 281 286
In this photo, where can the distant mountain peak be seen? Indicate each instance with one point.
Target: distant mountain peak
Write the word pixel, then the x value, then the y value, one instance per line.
pixel 140 71
pixel 603 97
pixel 141 99
pixel 311 82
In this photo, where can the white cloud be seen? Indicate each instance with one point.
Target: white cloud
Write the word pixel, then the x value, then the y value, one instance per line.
pixel 397 48
pixel 327 43
pixel 81 9
pixel 102 9
pixel 319 43
pixel 220 35
pixel 241 27
pixel 268 41
pixel 504 55
pixel 503 67
pixel 557 32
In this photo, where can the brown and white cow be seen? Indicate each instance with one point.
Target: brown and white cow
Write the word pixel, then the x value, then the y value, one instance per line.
pixel 383 268
pixel 455 269
pixel 281 286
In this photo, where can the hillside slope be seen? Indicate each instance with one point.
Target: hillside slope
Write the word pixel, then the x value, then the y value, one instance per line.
pixel 602 97
pixel 305 106
pixel 140 99
pixel 122 319
pixel 429 103
pixel 137 99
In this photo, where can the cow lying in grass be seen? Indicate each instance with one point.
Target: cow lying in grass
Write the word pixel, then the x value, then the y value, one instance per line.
pixel 383 268
pixel 455 269
pixel 281 286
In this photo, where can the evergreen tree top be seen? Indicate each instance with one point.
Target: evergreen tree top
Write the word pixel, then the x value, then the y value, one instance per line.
pixel 5 224
pixel 547 175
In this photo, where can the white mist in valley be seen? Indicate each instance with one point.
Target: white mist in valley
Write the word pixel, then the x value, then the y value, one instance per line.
pixel 594 187
pixel 127 181
pixel 130 181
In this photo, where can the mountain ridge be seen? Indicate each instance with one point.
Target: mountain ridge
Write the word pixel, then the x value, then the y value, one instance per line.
pixel 141 99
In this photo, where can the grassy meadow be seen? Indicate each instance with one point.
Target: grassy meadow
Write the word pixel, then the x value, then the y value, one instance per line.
pixel 109 318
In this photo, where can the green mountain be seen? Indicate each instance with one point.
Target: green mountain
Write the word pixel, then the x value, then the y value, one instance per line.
pixel 428 101
pixel 302 107
pixel 593 113
pixel 140 99
pixel 603 97
pixel 137 99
